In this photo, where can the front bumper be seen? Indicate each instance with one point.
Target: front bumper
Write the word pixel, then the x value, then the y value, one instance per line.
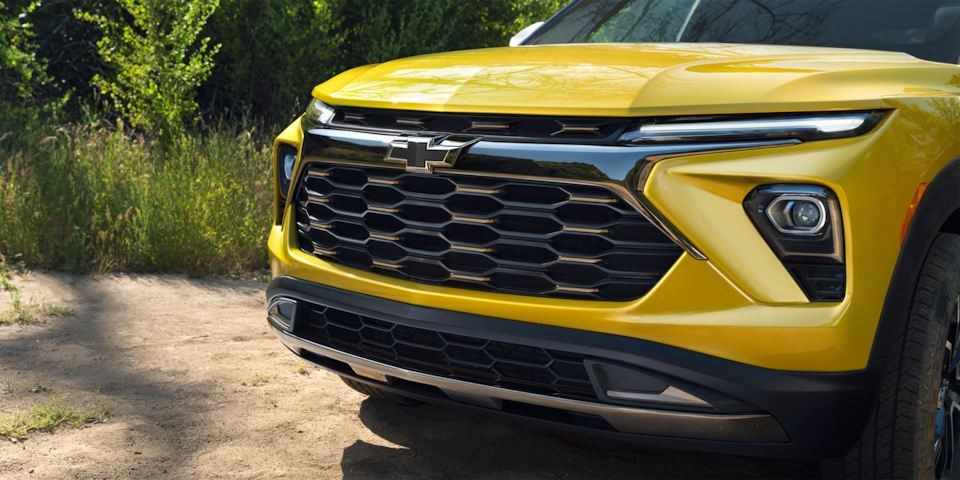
pixel 799 414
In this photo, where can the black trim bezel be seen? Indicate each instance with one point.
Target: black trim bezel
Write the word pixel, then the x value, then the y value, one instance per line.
pixel 824 247
pixel 609 139
pixel 815 261
pixel 612 139
pixel 284 185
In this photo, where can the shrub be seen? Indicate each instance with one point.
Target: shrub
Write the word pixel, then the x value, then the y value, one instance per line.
pixel 99 198
pixel 155 66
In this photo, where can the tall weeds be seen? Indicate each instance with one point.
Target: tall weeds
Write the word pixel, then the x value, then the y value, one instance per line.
pixel 96 198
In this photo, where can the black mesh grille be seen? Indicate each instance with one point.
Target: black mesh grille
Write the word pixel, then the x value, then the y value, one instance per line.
pixel 821 283
pixel 503 235
pixel 478 360
pixel 491 127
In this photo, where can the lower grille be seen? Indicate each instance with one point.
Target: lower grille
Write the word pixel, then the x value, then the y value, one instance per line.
pixel 506 235
pixel 821 283
pixel 472 359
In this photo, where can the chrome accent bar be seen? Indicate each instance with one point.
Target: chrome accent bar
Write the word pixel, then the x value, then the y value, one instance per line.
pixel 626 167
pixel 388 265
pixel 470 278
pixel 581 260
pixel 577 290
pixel 585 230
pixel 670 395
pixel 747 428
pixel 474 220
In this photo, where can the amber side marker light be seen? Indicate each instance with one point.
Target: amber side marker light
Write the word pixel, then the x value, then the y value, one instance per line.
pixel 912 209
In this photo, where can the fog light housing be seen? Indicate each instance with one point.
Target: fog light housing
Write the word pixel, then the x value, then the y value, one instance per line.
pixel 282 313
pixel 802 224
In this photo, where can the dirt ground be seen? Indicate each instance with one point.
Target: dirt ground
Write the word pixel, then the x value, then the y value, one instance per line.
pixel 169 353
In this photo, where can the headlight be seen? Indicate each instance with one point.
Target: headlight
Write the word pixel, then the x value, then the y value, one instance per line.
pixel 718 128
pixel 286 159
pixel 318 113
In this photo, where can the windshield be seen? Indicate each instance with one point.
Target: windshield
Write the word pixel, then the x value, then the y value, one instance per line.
pixel 926 29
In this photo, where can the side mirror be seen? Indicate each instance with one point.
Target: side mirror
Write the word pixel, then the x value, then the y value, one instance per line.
pixel 524 34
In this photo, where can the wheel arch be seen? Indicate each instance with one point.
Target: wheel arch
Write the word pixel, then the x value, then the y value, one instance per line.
pixel 938 211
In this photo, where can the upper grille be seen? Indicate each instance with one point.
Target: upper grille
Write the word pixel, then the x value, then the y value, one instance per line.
pixel 506 235
pixel 492 127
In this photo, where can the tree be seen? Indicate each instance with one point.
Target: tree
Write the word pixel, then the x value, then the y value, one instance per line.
pixel 156 63
pixel 20 70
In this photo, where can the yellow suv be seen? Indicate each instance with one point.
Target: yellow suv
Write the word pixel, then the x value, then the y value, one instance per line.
pixel 722 225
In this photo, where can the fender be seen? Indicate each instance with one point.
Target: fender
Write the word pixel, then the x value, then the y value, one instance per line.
pixel 939 202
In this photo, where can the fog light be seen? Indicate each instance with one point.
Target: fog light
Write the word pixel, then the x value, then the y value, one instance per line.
pixel 806 214
pixel 797 215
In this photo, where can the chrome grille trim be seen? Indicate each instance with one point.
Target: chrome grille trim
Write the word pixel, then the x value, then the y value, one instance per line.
pixel 624 169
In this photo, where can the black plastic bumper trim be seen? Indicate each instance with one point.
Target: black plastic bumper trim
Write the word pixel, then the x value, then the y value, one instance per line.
pixel 822 413
pixel 753 428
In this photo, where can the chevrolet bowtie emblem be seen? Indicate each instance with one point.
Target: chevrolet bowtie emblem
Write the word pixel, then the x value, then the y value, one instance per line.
pixel 423 154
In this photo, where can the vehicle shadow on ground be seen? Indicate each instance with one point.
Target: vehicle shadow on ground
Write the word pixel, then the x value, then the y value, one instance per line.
pixel 441 442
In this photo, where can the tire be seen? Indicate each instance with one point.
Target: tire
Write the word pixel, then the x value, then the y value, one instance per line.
pixel 375 392
pixel 910 433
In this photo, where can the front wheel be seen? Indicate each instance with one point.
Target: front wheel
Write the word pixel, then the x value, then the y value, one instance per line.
pixel 914 429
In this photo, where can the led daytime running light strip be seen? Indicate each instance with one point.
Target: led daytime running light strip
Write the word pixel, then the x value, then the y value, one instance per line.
pixel 739 128
pixel 319 112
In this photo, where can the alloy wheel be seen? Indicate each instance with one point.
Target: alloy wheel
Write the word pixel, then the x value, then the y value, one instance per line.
pixel 948 405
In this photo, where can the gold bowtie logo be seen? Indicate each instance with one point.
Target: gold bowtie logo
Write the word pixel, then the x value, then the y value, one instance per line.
pixel 423 154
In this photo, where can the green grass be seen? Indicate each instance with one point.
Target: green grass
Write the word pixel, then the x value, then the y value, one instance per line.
pixel 94 198
pixel 18 313
pixel 301 367
pixel 253 382
pixel 50 414
pixel 55 311
pixel 21 313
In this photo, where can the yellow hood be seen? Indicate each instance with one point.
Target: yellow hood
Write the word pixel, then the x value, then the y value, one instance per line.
pixel 638 80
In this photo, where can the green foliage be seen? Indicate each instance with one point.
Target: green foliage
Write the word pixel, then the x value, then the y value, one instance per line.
pixel 20 68
pixel 274 53
pixel 18 313
pixel 155 66
pixel 66 46
pixel 146 58
pixel 51 414
pixel 389 29
pixel 96 198
pixel 92 194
